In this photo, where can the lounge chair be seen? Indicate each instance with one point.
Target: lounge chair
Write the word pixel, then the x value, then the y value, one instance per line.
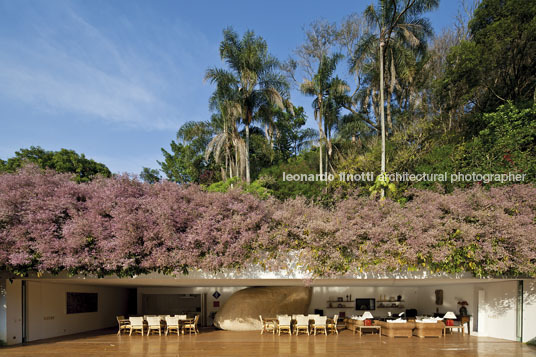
pixel 191 326
pixel 302 323
pixel 153 323
pixel 320 324
pixel 332 325
pixel 283 324
pixel 172 324
pixel 136 324
pixel 124 324
pixel 267 325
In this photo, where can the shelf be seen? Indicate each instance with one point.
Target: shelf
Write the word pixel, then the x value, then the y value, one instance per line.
pixel 379 301
pixel 342 307
pixel 390 307
pixel 340 302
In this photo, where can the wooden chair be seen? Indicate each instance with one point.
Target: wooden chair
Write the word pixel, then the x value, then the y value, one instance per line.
pixel 302 323
pixel 191 326
pixel 153 323
pixel 124 324
pixel 267 325
pixel 332 325
pixel 283 324
pixel 172 324
pixel 320 324
pixel 136 324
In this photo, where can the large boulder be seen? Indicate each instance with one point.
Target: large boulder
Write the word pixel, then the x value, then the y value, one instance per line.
pixel 241 312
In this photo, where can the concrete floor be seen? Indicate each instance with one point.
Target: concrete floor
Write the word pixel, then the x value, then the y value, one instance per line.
pixel 227 343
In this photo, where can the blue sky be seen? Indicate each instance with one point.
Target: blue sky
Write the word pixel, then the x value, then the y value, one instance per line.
pixel 116 79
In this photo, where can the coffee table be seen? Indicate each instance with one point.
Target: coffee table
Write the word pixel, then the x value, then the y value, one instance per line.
pixel 377 328
pixel 455 327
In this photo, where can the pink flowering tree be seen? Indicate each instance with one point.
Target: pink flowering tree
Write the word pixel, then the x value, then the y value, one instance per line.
pixel 48 223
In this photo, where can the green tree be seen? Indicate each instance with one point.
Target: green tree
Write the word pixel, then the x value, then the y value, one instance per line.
pixel 227 144
pixel 253 74
pixel 325 87
pixel 497 63
pixel 62 161
pixel 185 162
pixel 390 18
pixel 150 175
pixel 291 138
pixel 506 144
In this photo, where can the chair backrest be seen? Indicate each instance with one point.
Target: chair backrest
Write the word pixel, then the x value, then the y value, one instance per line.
pixel 196 318
pixel 172 320
pixel 136 321
pixel 280 316
pixel 312 316
pixel 302 320
pixel 153 320
pixel 320 320
pixel 284 320
pixel 182 317
pixel 335 319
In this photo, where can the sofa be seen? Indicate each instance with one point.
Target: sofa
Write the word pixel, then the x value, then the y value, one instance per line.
pixel 396 329
pixel 428 329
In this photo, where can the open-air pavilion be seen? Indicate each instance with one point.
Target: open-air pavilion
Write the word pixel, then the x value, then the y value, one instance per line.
pixel 500 312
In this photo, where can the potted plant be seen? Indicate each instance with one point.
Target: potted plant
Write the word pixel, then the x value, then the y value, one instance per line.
pixel 463 308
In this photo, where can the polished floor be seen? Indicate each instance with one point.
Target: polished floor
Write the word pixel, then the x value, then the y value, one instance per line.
pixel 227 343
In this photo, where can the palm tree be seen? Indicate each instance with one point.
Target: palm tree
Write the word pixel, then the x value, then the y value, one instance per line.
pixel 224 141
pixel 252 73
pixel 323 86
pixel 227 113
pixel 395 18
pixel 304 139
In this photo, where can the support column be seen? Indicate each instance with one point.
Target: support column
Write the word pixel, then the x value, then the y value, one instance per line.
pixel 13 306
pixel 3 308
pixel 529 310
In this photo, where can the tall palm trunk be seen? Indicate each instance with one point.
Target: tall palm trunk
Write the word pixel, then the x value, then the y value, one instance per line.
pixel 226 150
pixel 382 113
pixel 237 162
pixel 391 88
pixel 249 118
pixel 320 131
pixel 328 147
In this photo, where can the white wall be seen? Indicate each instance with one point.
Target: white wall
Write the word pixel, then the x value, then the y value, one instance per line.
pixel 47 309
pixel 321 295
pixel 497 311
pixel 529 310
pixel 225 292
pixel 3 308
pixel 452 294
pixel 13 312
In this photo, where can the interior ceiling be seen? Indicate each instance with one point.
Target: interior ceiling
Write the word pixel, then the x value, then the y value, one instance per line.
pixel 170 282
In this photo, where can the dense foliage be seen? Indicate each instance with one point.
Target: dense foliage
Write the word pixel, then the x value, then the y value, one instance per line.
pixel 62 161
pixel 48 223
pixel 458 101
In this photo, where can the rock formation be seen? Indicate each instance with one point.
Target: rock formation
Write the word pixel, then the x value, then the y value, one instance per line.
pixel 241 312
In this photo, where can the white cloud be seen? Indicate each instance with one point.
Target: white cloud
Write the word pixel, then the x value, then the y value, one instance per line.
pixel 74 67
